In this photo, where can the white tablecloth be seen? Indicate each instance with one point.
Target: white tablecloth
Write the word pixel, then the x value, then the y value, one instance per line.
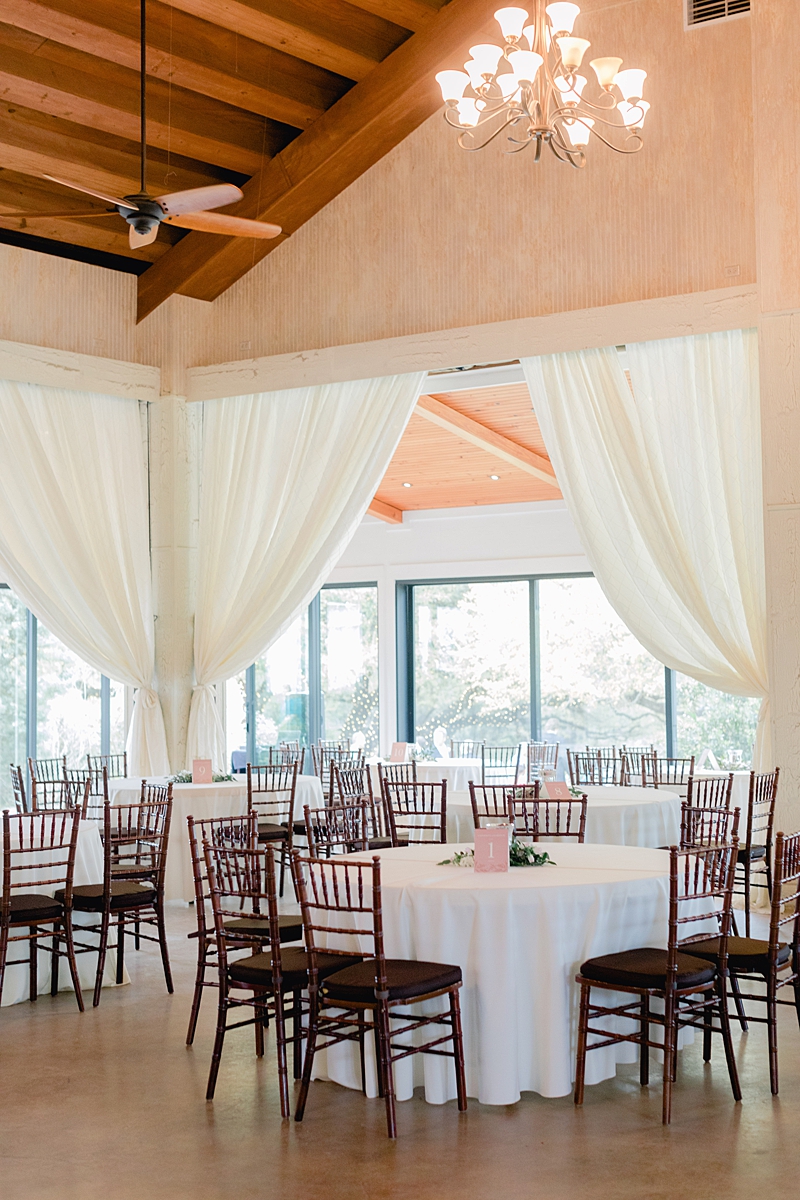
pixel 459 772
pixel 202 800
pixel 88 869
pixel 519 940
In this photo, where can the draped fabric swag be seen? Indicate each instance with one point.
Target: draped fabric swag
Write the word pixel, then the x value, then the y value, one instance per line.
pixel 664 486
pixel 74 539
pixel 286 478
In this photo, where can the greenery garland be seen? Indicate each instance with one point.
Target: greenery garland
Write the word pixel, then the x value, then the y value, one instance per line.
pixel 186 777
pixel 520 854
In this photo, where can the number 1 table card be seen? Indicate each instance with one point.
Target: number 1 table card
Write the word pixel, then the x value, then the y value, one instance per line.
pixel 491 849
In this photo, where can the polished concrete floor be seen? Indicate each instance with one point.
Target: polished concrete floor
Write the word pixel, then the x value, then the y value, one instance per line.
pixel 110 1106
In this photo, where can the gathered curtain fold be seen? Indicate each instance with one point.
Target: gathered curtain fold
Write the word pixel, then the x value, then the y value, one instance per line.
pixel 286 478
pixel 74 538
pixel 663 481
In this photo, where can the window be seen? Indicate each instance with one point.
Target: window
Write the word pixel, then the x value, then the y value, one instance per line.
pixel 279 683
pixel 13 689
pixel 716 721
pixel 348 625
pixel 67 702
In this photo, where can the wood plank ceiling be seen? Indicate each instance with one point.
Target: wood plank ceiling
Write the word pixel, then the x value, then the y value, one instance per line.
pixel 290 99
pixel 484 446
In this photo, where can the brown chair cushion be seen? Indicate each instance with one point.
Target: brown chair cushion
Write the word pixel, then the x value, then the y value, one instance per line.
pixel 744 954
pixel 645 968
pixel 406 980
pixel 257 969
pixel 381 844
pixel 291 927
pixel 31 907
pixel 124 894
pixel 270 832
pixel 754 853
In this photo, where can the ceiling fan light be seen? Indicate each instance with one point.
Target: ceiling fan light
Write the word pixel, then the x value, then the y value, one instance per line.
pixel 605 69
pixel 525 64
pixel 572 51
pixel 487 56
pixel 562 16
pixel 511 21
pixel 630 83
pixel 453 84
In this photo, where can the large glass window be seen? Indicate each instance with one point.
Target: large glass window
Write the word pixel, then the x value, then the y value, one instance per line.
pixel 598 685
pixel 349 665
pixel 281 689
pixel 236 718
pixel 716 721
pixel 67 702
pixel 13 690
pixel 472 662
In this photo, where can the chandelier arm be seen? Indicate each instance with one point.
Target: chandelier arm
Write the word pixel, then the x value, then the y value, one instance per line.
pixel 619 149
pixel 568 157
pixel 471 133
pixel 576 114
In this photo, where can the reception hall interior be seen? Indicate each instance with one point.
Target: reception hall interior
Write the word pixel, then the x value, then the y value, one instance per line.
pixel 399 608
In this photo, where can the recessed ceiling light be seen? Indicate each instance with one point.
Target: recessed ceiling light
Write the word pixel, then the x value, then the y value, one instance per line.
pixel 494 476
pixel 406 485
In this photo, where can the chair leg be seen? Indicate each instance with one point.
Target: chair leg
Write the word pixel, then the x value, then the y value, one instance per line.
pixel 747 897
pixel 772 1034
pixel 33 968
pixel 297 1034
pixel 4 955
pixel 727 1041
pixel 308 1061
pixel 708 1013
pixel 259 1023
pixel 136 945
pixel 796 986
pixel 199 984
pixel 458 1050
pixel 670 1053
pixel 219 1038
pixel 382 1020
pixel 162 942
pixel 361 1034
pixel 280 1045
pixel 737 1000
pixel 54 964
pixel 283 868
pixel 101 958
pixel 644 1049
pixel 580 1063
pixel 73 962
pixel 120 946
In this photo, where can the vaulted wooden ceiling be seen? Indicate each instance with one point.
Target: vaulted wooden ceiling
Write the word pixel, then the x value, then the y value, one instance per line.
pixel 290 99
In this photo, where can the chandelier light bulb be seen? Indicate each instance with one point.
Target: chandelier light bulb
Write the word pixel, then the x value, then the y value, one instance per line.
pixel 630 83
pixel 468 112
pixel 487 56
pixel 571 95
pixel 633 115
pixel 511 21
pixel 572 51
pixel 525 64
pixel 452 84
pixel 562 17
pixel 605 69
pixel 579 132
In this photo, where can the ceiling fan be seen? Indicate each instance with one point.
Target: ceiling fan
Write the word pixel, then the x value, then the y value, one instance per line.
pixel 145 213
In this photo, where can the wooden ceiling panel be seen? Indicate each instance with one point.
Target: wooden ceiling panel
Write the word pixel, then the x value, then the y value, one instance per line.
pixel 411 14
pixel 507 409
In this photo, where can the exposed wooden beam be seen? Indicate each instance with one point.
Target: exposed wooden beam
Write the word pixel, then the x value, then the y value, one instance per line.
pixel 498 444
pixel 387 512
pixel 410 14
pixel 309 31
pixel 88 90
pixel 192 53
pixel 370 120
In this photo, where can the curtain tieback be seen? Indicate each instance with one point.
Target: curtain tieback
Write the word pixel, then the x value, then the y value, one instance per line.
pixel 147 697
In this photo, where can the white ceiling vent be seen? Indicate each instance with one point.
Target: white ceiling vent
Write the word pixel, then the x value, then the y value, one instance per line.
pixel 701 12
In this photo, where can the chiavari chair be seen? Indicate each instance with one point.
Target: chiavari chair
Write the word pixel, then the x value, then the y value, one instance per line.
pixel 61 793
pixel 341 900
pixel 323 756
pixel 47 770
pixel 542 757
pixel 538 817
pixel 350 784
pixel 493 802
pixel 241 881
pixel 633 756
pixel 710 793
pixel 500 764
pixel 94 795
pixel 709 826
pixel 773 962
pixel 38 859
pixel 405 772
pixel 592 769
pixel 135 841
pixel 271 795
pixel 417 812
pixel 230 833
pixel 339 828
pixel 289 753
pixel 674 773
pixel 757 848
pixel 18 788
pixel 692 991
pixel 115 765
pixel 465 749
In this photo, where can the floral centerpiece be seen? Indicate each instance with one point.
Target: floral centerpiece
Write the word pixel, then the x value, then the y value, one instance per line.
pixel 520 854
pixel 186 777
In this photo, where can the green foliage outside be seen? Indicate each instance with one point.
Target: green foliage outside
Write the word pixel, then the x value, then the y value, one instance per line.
pixel 708 719
pixel 350 696
pixel 13 634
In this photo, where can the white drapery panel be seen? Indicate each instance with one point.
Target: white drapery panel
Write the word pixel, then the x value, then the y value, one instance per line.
pixel 286 478
pixel 664 486
pixel 74 540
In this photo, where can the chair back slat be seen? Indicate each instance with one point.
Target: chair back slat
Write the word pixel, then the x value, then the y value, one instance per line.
pixel 60 793
pixel 115 765
pixel 595 767
pixel 711 826
pixel 466 749
pixel 538 817
pixel 341 905
pixel 710 793
pixel 241 886
pixel 39 853
pixel 761 812
pixel 18 787
pixel 701 891
pixel 340 828
pixel 271 792
pixel 417 812
pixel 47 770
pixel 232 833
pixel 785 907
pixel 405 772
pixel 492 802
pixel 658 771
pixel 136 837
pixel 542 756
pixel 500 764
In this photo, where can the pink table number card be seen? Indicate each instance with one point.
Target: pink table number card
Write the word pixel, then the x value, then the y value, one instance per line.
pixel 201 770
pixel 399 751
pixel 491 849
pixel 556 790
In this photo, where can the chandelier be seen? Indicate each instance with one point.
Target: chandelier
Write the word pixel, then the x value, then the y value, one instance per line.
pixel 530 86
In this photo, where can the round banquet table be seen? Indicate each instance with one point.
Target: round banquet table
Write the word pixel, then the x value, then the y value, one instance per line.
pixel 88 869
pixel 202 800
pixel 458 772
pixel 615 816
pixel 519 939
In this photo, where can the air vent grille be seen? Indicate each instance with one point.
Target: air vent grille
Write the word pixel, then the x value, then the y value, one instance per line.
pixel 702 11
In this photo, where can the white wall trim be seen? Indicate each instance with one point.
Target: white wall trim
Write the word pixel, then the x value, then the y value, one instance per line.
pixel 43 365
pixel 638 321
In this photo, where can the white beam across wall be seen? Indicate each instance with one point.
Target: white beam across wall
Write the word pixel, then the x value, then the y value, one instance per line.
pixel 502 341
pixel 47 367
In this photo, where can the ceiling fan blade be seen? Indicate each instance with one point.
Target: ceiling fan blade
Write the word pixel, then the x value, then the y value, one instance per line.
pixel 217 195
pixel 212 222
pixel 76 187
pixel 137 240
pixel 73 215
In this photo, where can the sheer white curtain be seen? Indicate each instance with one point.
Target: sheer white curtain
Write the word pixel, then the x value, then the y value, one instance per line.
pixel 664 486
pixel 74 540
pixel 286 478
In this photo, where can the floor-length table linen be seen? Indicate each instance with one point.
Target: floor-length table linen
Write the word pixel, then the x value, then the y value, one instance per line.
pixel 88 869
pixel 519 939
pixel 202 800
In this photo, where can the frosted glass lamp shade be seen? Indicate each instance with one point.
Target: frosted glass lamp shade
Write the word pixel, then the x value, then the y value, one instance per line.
pixel 630 83
pixel 579 132
pixel 452 84
pixel 473 69
pixel 487 56
pixel 511 21
pixel 633 115
pixel 508 84
pixel 525 64
pixel 605 69
pixel 468 113
pixel 572 51
pixel 562 17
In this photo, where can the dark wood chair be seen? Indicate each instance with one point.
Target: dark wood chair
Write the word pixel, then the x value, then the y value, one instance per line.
pixel 492 802
pixel 115 765
pixel 271 794
pixel 755 855
pixel 500 764
pixel 416 812
pixel 365 993
pixel 48 794
pixel 135 841
pixel 710 826
pixel 710 793
pixel 465 749
pixel 541 757
pixel 405 772
pixel 231 833
pixel 94 786
pixel 774 962
pixel 538 817
pixel 38 860
pixel 324 755
pixel 672 773
pixel 588 769
pixel 340 828
pixel 18 788
pixel 241 882
pixel 693 992
pixel 45 770
pixel 633 756
pixel 354 784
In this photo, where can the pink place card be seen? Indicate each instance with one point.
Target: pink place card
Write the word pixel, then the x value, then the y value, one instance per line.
pixel 491 849
pixel 201 770
pixel 556 790
pixel 399 750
